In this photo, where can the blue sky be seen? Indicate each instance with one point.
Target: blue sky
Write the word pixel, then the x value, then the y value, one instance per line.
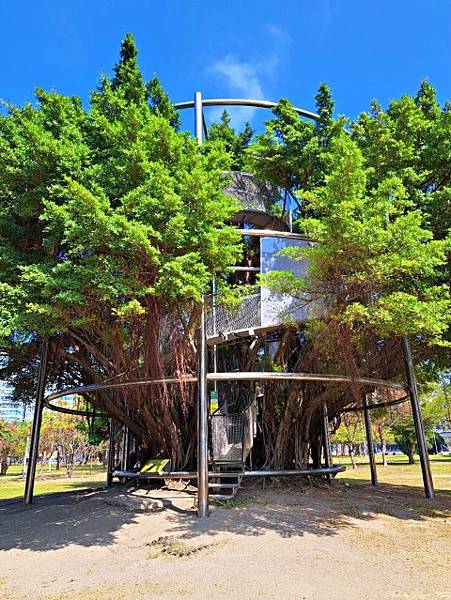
pixel 363 49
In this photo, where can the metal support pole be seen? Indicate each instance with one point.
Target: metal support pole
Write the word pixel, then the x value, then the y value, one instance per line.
pixel 418 421
pixel 36 426
pixel 369 441
pixel 202 404
pixel 214 315
pixel 202 424
pixel 326 438
pixel 198 121
pixel 110 463
pixel 125 437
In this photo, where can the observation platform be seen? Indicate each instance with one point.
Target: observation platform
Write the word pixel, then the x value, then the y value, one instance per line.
pixel 264 223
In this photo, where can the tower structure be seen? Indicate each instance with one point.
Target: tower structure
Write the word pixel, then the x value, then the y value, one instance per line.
pixel 221 461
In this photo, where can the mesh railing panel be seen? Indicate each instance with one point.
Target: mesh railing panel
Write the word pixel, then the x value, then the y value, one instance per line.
pixel 232 436
pixel 251 193
pixel 227 437
pixel 250 430
pixel 247 316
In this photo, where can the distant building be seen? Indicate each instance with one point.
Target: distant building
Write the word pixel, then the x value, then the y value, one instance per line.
pixel 446 436
pixel 9 410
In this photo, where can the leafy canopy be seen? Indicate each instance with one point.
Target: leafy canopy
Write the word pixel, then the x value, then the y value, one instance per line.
pixel 373 197
pixel 106 209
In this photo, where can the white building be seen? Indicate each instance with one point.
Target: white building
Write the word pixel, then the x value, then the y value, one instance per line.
pixel 10 411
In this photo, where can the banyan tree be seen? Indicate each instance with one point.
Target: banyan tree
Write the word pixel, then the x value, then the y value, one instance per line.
pixel 304 250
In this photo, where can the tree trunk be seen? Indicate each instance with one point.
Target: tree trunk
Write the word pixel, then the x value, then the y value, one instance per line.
pixel 315 452
pixel 383 444
pixel 3 465
pixel 409 450
pixel 351 455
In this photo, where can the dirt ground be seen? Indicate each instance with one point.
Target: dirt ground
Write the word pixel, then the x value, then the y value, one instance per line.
pixel 288 543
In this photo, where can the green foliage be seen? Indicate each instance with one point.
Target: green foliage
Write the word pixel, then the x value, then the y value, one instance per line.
pixel 377 258
pixel 433 411
pixel 325 108
pixel 12 442
pixel 411 140
pixel 106 210
pixel 160 103
pixel 233 143
pixel 350 431
pixel 292 151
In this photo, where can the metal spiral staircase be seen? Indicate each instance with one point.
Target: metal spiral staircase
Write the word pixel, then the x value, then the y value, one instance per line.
pixel 233 426
pixel 232 439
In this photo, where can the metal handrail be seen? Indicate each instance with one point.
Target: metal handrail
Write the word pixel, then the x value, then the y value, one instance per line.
pixel 243 102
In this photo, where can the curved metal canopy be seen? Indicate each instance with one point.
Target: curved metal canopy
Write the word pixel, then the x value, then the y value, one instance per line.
pixel 244 102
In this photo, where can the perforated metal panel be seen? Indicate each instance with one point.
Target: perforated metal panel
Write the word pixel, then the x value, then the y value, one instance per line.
pixel 227 436
pixel 266 308
pixel 253 194
pixel 278 308
pixel 232 435
pixel 219 320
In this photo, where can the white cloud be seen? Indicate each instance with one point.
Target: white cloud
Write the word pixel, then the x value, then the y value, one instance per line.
pixel 241 79
pixel 240 76
pixel 244 78
pixel 279 35
pixel 327 13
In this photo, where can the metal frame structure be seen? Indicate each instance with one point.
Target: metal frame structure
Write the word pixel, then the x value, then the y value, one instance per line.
pixel 232 376
pixel 201 102
pixel 37 421
pixel 203 376
pixel 369 441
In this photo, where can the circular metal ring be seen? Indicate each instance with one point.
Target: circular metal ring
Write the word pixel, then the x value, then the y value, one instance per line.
pixel 234 376
pixel 72 411
pixel 376 405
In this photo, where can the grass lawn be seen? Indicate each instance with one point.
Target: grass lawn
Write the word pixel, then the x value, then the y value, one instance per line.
pixel 398 471
pixel 12 485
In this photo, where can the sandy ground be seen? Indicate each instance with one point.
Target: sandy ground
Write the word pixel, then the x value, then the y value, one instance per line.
pixel 316 544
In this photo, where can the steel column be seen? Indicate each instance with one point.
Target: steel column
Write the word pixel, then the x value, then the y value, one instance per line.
pixel 202 404
pixel 125 438
pixel 198 121
pixel 369 441
pixel 214 316
pixel 202 424
pixel 418 421
pixel 110 463
pixel 37 421
pixel 326 438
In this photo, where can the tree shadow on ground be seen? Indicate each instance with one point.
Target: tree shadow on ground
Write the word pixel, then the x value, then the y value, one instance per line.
pixel 57 520
pixel 322 512
pixel 93 519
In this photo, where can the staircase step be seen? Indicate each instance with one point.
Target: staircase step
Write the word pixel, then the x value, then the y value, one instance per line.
pixel 226 479
pixel 222 496
pixel 231 486
pixel 225 482
pixel 237 474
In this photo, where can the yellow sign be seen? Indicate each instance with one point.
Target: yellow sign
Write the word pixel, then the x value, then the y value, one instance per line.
pixel 214 403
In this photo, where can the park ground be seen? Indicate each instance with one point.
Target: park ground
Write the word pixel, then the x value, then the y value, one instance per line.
pixel 282 542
